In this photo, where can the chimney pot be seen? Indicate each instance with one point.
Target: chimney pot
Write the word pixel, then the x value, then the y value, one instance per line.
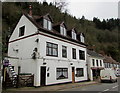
pixel 30 10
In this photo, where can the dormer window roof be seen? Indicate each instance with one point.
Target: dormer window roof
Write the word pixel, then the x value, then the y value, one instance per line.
pixel 61 28
pixel 72 33
pixel 45 21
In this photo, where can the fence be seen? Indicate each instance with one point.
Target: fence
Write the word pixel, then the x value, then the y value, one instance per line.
pixel 25 80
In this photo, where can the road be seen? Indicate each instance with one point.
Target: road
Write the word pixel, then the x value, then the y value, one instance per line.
pixel 100 88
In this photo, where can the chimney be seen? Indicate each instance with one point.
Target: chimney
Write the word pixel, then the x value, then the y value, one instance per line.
pixel 92 48
pixel 30 10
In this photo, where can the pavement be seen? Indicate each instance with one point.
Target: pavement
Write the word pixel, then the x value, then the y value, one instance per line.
pixel 54 87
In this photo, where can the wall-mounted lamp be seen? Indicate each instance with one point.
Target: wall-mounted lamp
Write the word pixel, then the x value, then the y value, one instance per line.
pixel 44 63
pixel 71 63
pixel 37 40
pixel 48 69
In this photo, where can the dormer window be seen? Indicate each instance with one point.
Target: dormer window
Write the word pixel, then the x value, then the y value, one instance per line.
pixel 47 24
pixel 82 38
pixel 73 35
pixel 62 30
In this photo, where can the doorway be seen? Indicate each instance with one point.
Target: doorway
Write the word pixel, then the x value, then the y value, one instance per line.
pixel 73 74
pixel 96 74
pixel 43 76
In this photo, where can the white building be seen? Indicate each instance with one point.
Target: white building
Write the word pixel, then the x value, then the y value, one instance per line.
pixel 50 52
pixel 111 64
pixel 95 64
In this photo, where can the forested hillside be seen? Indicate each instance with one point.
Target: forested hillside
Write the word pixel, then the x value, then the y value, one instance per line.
pixel 103 35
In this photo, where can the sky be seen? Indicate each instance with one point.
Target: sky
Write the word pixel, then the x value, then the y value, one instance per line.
pixel 103 9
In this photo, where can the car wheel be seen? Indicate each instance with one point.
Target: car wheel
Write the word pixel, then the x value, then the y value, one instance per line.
pixel 101 81
pixel 112 81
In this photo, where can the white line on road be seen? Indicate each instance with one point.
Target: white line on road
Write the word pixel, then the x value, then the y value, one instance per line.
pixel 115 86
pixel 106 90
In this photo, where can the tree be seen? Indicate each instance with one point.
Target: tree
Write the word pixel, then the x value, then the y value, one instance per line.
pixel 93 30
pixel 61 4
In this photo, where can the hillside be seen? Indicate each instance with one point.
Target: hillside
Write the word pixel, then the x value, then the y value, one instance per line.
pixel 101 34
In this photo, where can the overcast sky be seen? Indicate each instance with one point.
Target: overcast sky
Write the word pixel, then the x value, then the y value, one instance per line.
pixel 103 9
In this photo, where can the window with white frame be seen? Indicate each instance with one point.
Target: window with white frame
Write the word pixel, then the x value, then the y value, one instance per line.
pixel 61 73
pixel 62 30
pixel 97 63
pixel 64 51
pixel 109 65
pixel 79 72
pixel 100 62
pixel 81 55
pixel 73 35
pixel 105 65
pixel 73 53
pixel 21 31
pixel 51 49
pixel 47 24
pixel 93 62
pixel 82 38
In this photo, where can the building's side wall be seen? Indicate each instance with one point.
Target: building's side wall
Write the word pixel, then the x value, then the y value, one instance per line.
pixel 22 58
pixel 90 76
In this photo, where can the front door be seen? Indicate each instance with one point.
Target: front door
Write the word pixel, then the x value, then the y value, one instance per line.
pixel 73 74
pixel 43 76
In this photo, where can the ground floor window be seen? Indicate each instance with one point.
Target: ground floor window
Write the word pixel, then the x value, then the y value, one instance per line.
pixel 79 72
pixel 62 73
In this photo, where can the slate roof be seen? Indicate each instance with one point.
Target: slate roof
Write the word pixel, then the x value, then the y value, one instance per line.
pixel 59 23
pixel 109 59
pixel 94 54
pixel 55 33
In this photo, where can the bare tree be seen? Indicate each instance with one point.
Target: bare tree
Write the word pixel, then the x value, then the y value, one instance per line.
pixel 61 4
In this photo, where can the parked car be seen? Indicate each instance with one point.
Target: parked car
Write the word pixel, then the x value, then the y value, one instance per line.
pixel 108 75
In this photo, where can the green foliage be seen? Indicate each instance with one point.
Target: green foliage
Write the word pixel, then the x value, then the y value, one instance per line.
pixel 103 34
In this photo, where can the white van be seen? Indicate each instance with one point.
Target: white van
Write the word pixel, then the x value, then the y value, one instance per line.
pixel 108 75
pixel 117 72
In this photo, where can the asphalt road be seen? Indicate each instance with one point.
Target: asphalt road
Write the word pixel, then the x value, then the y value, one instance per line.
pixel 100 88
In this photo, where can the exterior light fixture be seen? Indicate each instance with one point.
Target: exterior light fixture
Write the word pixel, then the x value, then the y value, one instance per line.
pixel 37 40
pixel 71 63
pixel 44 63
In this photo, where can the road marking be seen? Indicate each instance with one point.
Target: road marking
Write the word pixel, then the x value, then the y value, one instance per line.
pixel 115 86
pixel 106 90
